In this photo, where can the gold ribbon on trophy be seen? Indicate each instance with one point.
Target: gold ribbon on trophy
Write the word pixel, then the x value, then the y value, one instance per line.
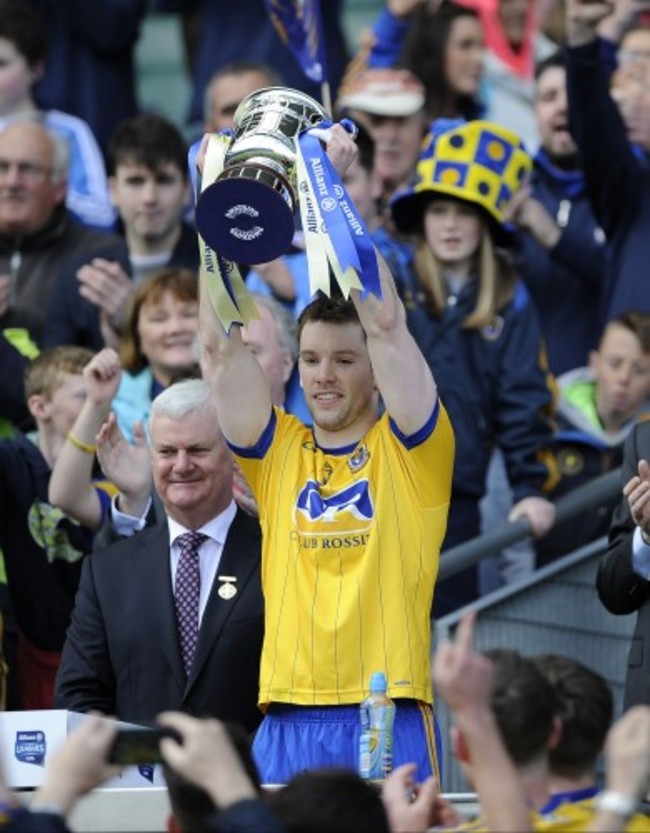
pixel 224 285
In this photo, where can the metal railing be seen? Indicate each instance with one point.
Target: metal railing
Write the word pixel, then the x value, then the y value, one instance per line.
pixel 522 616
pixel 599 490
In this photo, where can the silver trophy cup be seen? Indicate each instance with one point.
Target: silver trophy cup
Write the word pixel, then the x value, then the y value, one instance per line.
pixel 247 213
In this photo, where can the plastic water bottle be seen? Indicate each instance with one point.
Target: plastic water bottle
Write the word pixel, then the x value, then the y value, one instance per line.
pixel 376 742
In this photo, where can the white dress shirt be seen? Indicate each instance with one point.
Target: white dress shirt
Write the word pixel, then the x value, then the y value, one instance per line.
pixel 127 525
pixel 209 551
pixel 640 555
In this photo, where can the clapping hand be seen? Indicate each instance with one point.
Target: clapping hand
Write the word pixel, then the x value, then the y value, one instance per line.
pixel 106 285
pixel 127 466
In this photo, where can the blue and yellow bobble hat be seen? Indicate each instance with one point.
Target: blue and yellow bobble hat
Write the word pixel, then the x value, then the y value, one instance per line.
pixel 476 161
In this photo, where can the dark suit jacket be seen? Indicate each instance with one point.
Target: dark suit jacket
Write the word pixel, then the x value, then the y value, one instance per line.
pixel 121 654
pixel 620 589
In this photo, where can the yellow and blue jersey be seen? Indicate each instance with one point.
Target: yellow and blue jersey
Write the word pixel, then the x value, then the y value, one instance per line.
pixel 350 556
pixel 575 815
pixel 570 812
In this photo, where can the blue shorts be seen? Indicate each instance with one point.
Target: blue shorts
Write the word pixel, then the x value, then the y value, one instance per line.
pixel 292 739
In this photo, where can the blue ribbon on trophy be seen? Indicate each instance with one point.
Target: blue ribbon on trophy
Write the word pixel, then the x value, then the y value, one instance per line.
pixel 253 183
pixel 348 248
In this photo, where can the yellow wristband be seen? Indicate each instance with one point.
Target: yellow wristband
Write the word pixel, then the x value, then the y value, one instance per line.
pixel 82 446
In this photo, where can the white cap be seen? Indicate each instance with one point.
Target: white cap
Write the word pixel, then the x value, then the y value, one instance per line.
pixel 383 92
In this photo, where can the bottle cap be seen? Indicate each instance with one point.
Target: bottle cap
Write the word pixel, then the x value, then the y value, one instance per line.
pixel 378 682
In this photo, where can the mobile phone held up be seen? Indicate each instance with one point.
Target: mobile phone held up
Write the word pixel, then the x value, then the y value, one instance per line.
pixel 140 746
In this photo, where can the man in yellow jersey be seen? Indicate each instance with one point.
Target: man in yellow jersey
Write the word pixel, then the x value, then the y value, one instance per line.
pixel 353 513
pixel 530 731
pixel 586 706
pixel 553 715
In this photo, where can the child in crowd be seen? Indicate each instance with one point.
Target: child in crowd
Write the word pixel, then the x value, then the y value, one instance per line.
pixel 42 547
pixel 71 488
pixel 158 347
pixel 597 409
pixel 475 323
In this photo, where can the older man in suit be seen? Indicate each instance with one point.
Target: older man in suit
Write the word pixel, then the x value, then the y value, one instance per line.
pixel 172 617
pixel 624 573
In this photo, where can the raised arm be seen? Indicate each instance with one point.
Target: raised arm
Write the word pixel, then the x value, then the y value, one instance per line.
pixel 464 679
pixel 207 758
pixel 611 167
pixel 381 45
pixel 241 391
pixel 402 374
pixel 583 18
pixel 71 486
pixel 628 773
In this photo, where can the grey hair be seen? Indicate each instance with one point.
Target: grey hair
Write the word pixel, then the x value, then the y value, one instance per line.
pixel 285 323
pixel 60 147
pixel 181 399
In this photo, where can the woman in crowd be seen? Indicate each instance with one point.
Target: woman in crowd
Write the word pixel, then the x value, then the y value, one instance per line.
pixel 444 48
pixel 158 342
pixel 441 44
pixel 158 347
pixel 476 324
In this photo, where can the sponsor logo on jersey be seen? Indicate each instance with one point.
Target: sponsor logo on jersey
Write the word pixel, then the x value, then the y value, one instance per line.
pixel 349 510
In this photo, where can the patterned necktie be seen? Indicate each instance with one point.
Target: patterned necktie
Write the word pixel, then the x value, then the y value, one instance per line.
pixel 187 590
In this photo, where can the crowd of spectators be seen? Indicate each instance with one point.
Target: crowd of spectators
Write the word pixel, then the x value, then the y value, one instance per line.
pixel 154 467
pixel 528 776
